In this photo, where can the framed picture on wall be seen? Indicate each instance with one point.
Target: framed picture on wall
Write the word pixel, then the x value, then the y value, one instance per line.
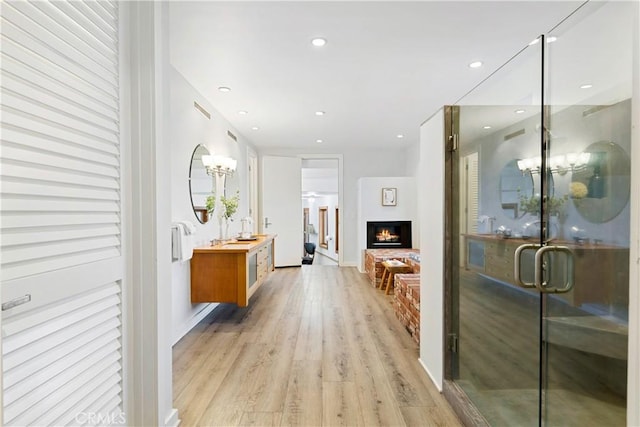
pixel 389 196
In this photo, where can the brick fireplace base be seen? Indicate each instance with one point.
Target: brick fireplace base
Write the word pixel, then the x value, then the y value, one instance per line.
pixel 406 303
pixel 373 259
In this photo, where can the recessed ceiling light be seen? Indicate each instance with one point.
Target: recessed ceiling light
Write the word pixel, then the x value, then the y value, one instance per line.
pixel 486 127
pixel 224 89
pixel 319 141
pixel 476 64
pixel 319 42
pixel 399 136
pixel 255 128
pixel 243 112
pixel 319 113
pixel 586 86
pixel 519 111
pixel 551 39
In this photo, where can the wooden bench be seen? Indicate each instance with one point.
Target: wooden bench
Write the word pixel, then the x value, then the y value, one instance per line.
pixel 391 268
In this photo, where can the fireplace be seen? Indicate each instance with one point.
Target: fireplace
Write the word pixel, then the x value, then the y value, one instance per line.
pixel 388 234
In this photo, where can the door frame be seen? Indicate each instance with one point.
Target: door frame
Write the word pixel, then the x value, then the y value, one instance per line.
pixel 457 398
pixel 147 342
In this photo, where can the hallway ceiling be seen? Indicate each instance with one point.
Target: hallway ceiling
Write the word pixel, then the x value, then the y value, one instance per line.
pixel 386 67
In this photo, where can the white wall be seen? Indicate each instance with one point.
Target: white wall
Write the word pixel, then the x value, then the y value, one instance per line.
pixel 356 164
pixel 431 215
pixel 370 207
pixel 188 128
pixel 413 159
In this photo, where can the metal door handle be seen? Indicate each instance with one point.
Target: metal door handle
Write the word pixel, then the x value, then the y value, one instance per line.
pixel 16 302
pixel 517 259
pixel 540 266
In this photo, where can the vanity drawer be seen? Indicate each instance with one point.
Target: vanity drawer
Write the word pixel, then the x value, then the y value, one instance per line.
pixel 263 254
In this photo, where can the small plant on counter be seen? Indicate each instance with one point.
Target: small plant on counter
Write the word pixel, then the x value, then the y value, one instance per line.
pixel 230 205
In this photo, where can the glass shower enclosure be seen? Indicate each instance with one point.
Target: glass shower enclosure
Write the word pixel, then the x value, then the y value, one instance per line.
pixel 539 180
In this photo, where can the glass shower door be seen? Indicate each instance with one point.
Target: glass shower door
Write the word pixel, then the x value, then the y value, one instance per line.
pixel 585 330
pixel 498 198
pixel 540 180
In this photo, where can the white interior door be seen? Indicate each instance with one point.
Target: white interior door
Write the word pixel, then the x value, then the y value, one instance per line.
pixel 282 207
pixel 61 251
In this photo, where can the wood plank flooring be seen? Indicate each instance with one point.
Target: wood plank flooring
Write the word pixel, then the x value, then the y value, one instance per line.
pixel 317 346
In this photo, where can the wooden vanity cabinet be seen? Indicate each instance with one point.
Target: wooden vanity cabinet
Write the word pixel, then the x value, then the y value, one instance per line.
pixel 231 272
pixel 593 266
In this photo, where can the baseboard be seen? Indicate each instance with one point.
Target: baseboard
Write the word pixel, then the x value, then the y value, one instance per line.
pixel 438 384
pixel 349 264
pixel 197 318
pixel 172 420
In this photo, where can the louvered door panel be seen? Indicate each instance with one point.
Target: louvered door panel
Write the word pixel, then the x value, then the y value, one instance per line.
pixel 61 213
pixel 60 148
pixel 54 357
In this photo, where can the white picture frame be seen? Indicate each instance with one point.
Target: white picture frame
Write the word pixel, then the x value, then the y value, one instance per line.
pixel 389 196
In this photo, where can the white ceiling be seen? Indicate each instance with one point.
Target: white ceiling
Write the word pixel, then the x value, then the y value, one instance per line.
pixel 386 68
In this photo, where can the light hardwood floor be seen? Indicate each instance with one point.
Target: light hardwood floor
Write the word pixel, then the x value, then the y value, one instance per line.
pixel 316 346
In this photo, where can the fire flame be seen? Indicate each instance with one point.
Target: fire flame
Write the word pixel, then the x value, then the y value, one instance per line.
pixel 385 236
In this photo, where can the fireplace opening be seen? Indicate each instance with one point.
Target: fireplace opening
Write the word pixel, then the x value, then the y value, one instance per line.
pixel 388 234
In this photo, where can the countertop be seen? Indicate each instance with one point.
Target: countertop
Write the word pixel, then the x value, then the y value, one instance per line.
pixel 235 246
pixel 522 241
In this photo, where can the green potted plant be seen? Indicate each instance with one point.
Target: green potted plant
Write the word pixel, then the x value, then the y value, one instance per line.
pixel 230 207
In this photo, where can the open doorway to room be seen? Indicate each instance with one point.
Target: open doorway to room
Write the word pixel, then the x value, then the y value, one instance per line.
pixel 320 196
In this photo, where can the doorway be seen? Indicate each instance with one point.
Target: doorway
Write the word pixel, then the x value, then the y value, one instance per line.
pixel 538 299
pixel 321 197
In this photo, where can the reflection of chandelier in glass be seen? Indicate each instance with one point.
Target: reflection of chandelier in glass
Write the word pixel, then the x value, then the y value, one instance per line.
pixel 219 165
pixel 560 164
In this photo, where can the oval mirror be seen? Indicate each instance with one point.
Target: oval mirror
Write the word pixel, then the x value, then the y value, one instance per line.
pixel 199 184
pixel 600 189
pixel 514 185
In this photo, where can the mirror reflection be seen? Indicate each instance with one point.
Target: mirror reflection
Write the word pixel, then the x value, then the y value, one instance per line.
pixel 199 184
pixel 601 189
pixel 514 185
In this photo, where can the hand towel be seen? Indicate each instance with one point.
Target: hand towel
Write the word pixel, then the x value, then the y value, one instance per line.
pixel 182 237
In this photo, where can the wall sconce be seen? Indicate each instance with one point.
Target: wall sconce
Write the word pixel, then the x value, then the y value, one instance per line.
pixel 560 164
pixel 219 165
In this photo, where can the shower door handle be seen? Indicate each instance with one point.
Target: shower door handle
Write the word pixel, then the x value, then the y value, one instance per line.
pixel 541 265
pixel 517 261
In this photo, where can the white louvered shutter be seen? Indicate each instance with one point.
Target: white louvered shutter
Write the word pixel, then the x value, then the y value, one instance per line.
pixel 472 191
pixel 60 213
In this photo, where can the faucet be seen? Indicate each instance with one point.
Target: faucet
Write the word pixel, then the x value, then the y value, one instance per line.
pixel 485 219
pixel 491 220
